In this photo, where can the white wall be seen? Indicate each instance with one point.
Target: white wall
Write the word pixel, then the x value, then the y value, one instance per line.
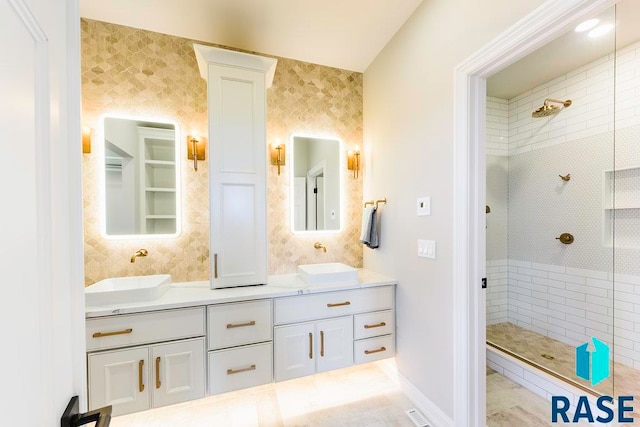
pixel 408 133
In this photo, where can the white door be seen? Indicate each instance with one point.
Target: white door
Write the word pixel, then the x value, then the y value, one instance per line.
pixel 294 351
pixel 335 344
pixel 178 372
pixel 120 378
pixel 41 306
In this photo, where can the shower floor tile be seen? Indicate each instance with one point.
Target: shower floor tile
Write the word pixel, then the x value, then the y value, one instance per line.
pixel 624 381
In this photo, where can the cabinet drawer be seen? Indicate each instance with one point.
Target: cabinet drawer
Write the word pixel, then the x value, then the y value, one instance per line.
pixel 374 349
pixel 132 329
pixel 230 325
pixel 240 367
pixel 332 304
pixel 373 324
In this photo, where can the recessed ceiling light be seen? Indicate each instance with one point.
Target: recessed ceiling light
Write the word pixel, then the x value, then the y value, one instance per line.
pixel 587 25
pixel 601 30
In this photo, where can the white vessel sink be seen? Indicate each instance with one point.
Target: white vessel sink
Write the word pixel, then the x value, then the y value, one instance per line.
pixel 328 274
pixel 120 290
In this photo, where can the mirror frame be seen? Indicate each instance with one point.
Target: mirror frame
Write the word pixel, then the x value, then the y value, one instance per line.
pixel 100 151
pixel 341 167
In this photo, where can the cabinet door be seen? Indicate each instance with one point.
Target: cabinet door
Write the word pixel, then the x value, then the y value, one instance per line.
pixel 237 113
pixel 335 344
pixel 178 372
pixel 119 378
pixel 294 351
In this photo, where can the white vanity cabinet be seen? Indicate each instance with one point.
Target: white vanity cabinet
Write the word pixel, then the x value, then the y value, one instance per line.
pixel 239 338
pixel 309 348
pixel 236 87
pixel 315 333
pixel 169 368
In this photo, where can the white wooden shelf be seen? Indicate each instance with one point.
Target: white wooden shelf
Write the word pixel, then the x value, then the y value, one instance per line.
pixel 160 190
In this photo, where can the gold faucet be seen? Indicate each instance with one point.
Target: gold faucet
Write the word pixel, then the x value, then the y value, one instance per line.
pixel 319 245
pixel 139 252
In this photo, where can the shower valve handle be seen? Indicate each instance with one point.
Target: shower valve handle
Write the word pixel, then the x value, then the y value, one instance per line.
pixel 566 238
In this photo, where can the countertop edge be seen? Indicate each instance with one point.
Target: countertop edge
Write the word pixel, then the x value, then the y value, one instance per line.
pixel 196 294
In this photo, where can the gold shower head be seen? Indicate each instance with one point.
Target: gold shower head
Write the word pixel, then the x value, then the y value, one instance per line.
pixel 549 108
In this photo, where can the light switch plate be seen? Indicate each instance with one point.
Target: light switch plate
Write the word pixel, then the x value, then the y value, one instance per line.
pixel 423 206
pixel 427 249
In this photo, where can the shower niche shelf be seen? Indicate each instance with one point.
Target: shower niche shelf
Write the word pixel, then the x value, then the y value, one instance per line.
pixel 621 207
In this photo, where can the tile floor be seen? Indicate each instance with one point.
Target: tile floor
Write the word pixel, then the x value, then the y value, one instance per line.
pixel 531 345
pixel 511 405
pixel 363 395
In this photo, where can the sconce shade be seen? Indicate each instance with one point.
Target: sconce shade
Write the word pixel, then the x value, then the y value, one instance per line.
pixel 86 139
pixel 353 162
pixel 278 155
pixel 201 142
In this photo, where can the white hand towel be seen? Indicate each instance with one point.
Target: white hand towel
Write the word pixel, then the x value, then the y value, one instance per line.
pixel 369 233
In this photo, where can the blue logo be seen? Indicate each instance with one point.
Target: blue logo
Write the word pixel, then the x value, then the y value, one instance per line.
pixel 594 365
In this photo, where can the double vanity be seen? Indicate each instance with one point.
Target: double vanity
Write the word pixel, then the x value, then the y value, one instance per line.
pixel 151 342
pixel 193 341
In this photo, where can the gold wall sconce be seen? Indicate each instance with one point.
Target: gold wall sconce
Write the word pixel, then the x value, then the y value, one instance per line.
pixel 196 144
pixel 278 154
pixel 86 139
pixel 353 161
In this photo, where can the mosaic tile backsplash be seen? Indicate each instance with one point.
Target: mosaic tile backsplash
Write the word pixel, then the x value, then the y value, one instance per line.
pixel 142 73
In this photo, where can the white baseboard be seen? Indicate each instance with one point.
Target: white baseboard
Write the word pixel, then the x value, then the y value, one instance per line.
pixel 433 413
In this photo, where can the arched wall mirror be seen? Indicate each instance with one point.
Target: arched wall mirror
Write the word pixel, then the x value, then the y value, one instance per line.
pixel 316 183
pixel 140 181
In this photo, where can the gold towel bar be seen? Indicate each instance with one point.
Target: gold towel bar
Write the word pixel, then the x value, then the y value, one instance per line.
pixel 375 203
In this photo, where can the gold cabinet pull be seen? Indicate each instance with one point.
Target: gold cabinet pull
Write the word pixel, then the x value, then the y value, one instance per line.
pixel 339 304
pixel 108 334
pixel 375 351
pixel 240 325
pixel 237 371
pixel 377 325
pixel 140 382
pixel 215 266
pixel 310 345
pixel 158 383
pixel 322 343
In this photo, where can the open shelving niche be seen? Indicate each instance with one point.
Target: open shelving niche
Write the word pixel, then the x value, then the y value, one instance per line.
pixel 158 176
pixel 621 207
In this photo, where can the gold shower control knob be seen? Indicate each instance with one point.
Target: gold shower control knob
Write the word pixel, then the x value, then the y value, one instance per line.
pixel 566 238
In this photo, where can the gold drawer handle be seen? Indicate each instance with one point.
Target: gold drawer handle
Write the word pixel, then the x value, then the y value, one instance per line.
pixel 140 383
pixel 237 371
pixel 339 304
pixel 378 325
pixel 310 345
pixel 375 351
pixel 108 334
pixel 240 325
pixel 321 343
pixel 158 383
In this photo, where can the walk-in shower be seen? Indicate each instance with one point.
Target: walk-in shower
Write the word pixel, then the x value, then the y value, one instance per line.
pixel 563 228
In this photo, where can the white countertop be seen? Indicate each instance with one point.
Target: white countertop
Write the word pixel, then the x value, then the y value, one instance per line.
pixel 189 294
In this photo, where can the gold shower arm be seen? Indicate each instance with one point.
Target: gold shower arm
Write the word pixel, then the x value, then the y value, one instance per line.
pixel 558 101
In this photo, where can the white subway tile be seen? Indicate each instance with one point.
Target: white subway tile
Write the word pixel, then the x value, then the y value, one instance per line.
pixel 548 282
pixel 548 267
pixel 568 278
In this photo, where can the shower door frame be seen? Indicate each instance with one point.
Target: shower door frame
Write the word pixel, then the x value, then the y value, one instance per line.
pixel 538 28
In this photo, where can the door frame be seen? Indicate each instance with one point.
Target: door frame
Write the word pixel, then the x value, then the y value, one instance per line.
pixel 541 26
